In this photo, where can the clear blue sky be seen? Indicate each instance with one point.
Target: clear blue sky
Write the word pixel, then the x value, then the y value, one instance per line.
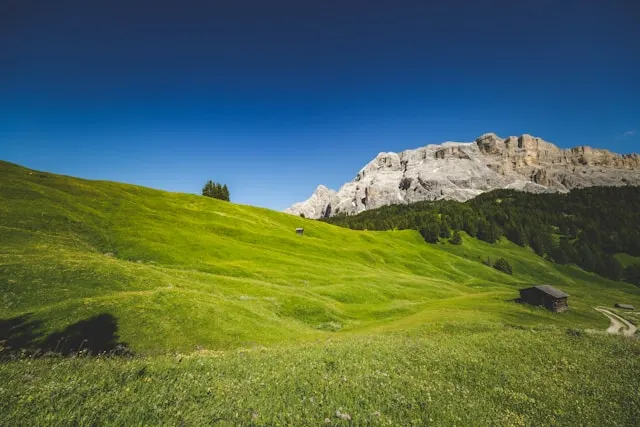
pixel 275 97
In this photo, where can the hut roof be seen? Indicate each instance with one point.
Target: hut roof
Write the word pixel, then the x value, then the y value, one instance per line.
pixel 550 290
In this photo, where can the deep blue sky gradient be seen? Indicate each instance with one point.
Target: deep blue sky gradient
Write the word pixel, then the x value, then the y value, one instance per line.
pixel 276 97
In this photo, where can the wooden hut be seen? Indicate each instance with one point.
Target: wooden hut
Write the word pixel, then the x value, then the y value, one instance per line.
pixel 299 231
pixel 546 296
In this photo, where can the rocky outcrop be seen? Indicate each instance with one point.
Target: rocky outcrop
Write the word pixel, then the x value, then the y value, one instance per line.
pixel 460 171
pixel 316 206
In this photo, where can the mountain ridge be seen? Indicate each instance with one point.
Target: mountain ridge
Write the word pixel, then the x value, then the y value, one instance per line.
pixel 463 170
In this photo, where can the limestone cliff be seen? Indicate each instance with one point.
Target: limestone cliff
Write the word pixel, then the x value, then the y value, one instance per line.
pixel 460 171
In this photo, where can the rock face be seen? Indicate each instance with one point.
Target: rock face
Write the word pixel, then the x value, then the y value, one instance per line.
pixel 461 171
pixel 316 206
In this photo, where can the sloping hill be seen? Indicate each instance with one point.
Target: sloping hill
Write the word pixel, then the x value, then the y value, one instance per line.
pixel 178 272
pixel 376 328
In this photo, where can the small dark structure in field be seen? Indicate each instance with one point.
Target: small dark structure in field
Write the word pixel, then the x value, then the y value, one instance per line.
pixel 625 306
pixel 299 231
pixel 546 296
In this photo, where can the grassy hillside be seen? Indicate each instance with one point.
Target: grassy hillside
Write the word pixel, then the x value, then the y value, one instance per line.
pixel 627 260
pixel 589 227
pixel 179 272
pixel 285 329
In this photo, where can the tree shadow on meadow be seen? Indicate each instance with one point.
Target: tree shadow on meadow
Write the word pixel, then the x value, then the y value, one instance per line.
pixel 22 337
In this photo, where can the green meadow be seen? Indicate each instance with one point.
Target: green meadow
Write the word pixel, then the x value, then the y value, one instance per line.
pixel 626 260
pixel 232 318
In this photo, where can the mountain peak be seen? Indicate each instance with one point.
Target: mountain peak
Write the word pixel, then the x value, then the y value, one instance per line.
pixel 461 171
pixel 323 189
pixel 316 206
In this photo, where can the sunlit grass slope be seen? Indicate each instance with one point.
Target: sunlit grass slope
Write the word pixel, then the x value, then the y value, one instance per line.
pixel 181 272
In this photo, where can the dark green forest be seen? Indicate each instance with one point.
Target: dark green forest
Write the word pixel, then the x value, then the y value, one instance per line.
pixel 586 227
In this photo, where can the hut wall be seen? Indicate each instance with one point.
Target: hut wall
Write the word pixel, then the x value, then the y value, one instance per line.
pixel 549 302
pixel 537 297
pixel 560 305
pixel 532 296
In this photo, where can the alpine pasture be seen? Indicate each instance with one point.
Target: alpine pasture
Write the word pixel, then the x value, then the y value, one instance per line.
pixel 228 316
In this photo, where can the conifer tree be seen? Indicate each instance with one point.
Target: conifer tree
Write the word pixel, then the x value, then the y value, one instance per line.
pixel 456 239
pixel 225 193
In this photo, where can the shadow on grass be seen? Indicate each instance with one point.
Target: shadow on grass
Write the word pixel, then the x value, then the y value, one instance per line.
pixel 21 337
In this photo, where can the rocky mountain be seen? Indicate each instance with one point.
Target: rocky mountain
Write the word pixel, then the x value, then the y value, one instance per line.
pixel 462 170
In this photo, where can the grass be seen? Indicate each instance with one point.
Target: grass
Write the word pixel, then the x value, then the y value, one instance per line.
pixel 458 374
pixel 627 260
pixel 263 316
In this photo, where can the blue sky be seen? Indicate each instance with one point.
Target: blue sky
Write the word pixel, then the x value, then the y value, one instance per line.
pixel 274 98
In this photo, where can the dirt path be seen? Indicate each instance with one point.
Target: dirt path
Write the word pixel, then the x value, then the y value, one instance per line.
pixel 618 324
